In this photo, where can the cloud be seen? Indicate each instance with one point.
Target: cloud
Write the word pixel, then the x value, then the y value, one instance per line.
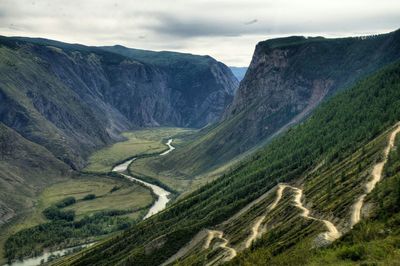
pixel 225 29
pixel 189 28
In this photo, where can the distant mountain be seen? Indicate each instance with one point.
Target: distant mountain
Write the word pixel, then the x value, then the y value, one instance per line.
pixel 71 99
pixel 239 72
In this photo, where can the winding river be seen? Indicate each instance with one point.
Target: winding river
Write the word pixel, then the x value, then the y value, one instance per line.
pixel 159 205
pixel 46 255
pixel 162 194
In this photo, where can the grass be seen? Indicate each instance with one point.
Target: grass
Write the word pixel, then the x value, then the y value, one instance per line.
pixel 138 142
pixel 128 196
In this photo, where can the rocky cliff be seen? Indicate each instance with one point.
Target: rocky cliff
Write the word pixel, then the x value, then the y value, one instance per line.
pixel 289 77
pixel 199 87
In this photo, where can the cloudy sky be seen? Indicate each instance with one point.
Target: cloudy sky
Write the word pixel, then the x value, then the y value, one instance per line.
pixel 226 30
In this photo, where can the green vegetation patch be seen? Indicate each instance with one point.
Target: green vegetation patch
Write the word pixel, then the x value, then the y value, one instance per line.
pixel 139 142
pixel 77 210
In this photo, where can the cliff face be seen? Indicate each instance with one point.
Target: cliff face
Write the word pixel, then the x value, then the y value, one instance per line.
pixel 289 77
pixel 286 80
pixel 197 88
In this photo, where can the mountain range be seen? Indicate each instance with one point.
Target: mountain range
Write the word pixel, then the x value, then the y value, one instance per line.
pixel 305 148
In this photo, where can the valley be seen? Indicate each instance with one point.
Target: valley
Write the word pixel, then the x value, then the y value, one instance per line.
pixel 121 156
pixel 129 201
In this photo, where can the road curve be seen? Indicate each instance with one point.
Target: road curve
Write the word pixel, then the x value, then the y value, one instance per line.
pixel 255 229
pixel 331 235
pixel 162 194
pixel 376 177
pixel 212 234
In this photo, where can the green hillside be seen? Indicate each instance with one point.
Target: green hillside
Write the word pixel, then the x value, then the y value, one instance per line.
pixel 347 133
pixel 374 241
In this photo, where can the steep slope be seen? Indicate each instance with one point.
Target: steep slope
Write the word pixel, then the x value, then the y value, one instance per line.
pixel 38 101
pixel 20 158
pixel 286 80
pixel 375 240
pixel 328 158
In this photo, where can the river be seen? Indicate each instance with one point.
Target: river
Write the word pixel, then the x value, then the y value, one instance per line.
pixel 159 205
pixel 162 194
pixel 46 255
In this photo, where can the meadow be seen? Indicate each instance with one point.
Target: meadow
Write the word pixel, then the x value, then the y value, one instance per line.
pixel 138 142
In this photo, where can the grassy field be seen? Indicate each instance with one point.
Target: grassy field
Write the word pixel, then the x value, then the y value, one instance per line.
pixel 138 142
pixel 127 196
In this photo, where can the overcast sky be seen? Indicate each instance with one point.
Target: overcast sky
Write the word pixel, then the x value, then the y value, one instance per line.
pixel 226 30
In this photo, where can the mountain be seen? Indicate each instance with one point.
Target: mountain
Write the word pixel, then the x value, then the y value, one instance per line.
pixel 203 87
pixel 287 78
pixel 25 167
pixel 239 72
pixel 295 195
pixel 70 99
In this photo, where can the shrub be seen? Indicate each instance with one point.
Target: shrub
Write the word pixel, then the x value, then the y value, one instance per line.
pixel 115 188
pixel 354 253
pixel 89 197
pixel 65 202
pixel 53 213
